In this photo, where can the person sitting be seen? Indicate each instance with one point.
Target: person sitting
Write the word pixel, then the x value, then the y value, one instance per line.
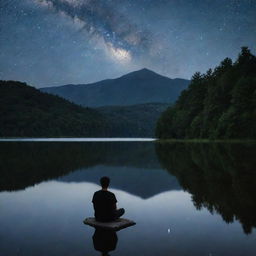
pixel 104 203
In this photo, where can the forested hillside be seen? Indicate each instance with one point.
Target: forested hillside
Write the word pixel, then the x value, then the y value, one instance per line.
pixel 136 120
pixel 27 112
pixel 220 104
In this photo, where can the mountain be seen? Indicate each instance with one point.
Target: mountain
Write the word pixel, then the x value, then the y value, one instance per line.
pixel 28 112
pixel 139 87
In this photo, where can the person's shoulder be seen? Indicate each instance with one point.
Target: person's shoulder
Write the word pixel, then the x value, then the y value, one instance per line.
pixel 97 192
pixel 102 192
pixel 112 194
pixel 96 195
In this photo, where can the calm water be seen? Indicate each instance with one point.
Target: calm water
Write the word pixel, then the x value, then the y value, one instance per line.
pixel 187 199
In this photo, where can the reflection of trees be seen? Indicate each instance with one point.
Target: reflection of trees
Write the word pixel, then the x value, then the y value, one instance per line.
pixel 220 177
pixel 28 163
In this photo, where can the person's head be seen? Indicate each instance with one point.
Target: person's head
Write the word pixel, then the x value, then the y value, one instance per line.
pixel 104 181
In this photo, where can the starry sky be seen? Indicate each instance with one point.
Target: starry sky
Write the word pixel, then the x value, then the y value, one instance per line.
pixel 56 42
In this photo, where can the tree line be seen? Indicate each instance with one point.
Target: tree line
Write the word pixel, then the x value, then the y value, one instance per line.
pixel 220 104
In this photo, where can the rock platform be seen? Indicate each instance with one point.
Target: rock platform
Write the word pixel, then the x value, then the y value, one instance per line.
pixel 113 225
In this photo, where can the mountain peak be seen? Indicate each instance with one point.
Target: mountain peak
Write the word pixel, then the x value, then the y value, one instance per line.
pixel 145 70
pixel 141 73
pixel 138 87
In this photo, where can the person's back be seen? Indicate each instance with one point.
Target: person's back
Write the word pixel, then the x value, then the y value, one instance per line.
pixel 104 203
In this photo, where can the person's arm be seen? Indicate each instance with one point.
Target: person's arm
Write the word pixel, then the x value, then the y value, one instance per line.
pixel 93 202
pixel 114 202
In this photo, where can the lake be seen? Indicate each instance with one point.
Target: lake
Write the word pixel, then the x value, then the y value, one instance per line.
pixel 186 198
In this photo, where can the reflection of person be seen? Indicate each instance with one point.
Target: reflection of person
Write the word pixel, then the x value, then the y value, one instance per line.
pixel 104 203
pixel 104 241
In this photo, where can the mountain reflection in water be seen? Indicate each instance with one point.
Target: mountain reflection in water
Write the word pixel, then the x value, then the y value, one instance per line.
pixel 132 166
pixel 219 176
pixel 46 191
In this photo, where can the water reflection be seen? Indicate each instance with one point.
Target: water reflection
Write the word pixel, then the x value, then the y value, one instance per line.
pixel 104 241
pixel 220 177
pixel 47 219
pixel 128 164
pixel 219 180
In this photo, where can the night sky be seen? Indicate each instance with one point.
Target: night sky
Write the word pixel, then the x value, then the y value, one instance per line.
pixel 56 42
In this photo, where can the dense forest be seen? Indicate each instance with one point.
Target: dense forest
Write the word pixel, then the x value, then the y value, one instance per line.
pixel 135 120
pixel 28 112
pixel 25 111
pixel 220 104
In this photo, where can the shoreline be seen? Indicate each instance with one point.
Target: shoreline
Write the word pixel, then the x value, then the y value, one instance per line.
pixel 120 139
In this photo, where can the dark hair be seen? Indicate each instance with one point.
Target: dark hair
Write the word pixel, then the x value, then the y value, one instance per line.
pixel 104 181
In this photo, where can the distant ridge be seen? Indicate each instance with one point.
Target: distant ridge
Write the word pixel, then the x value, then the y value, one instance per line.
pixel 138 87
pixel 28 112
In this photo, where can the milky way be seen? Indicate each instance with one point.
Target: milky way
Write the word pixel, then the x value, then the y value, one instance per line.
pixel 55 42
pixel 99 18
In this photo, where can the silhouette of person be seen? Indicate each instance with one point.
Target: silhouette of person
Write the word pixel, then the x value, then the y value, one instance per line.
pixel 104 241
pixel 104 203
